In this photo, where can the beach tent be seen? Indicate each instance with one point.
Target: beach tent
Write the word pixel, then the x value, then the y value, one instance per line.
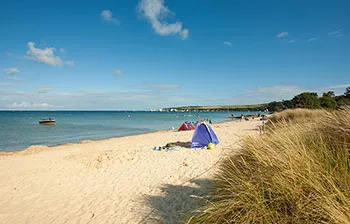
pixel 203 135
pixel 188 125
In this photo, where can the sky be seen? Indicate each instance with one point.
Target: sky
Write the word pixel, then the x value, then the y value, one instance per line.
pixel 145 54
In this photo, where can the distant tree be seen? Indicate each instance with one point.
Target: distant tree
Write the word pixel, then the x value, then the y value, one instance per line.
pixel 288 104
pixel 275 106
pixel 347 92
pixel 306 100
pixel 311 101
pixel 329 94
pixel 328 102
pixel 344 100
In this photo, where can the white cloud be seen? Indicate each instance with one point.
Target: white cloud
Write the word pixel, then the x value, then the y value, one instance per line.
pixel 3 84
pixel 29 105
pixel 11 71
pixel 339 86
pixel 108 17
pixel 292 41
pixel 70 63
pixel 45 90
pixel 12 93
pixel 144 96
pixel 228 43
pixel 334 33
pixel 163 88
pixel 312 39
pixel 155 12
pixel 268 94
pixel 337 33
pixel 132 98
pixel 278 90
pixel 15 78
pixel 46 56
pixel 282 34
pixel 338 89
pixel 276 93
pixel 117 72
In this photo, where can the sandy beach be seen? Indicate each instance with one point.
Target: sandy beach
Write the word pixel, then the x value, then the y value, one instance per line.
pixel 117 180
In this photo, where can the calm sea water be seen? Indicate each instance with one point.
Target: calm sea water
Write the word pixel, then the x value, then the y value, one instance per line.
pixel 21 129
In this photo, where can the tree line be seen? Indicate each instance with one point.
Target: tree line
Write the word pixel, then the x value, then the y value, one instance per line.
pixel 311 100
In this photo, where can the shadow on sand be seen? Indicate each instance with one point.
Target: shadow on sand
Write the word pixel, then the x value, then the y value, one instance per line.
pixel 179 202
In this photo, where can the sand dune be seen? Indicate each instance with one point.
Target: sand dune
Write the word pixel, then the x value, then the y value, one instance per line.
pixel 118 180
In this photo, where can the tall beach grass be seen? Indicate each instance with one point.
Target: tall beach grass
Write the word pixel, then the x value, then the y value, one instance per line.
pixel 298 172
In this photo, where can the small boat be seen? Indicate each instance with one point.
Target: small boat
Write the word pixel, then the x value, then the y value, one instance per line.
pixel 47 121
pixel 238 117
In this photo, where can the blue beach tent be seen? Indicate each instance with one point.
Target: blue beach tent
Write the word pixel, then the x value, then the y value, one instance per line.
pixel 203 135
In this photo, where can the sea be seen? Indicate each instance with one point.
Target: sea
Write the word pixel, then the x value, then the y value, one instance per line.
pixel 21 129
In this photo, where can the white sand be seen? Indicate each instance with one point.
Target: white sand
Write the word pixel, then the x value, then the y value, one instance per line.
pixel 118 180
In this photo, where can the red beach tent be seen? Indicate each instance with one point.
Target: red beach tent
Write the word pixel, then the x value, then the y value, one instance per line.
pixel 188 125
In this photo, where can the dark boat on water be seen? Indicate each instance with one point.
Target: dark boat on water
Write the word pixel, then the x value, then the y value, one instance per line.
pixel 238 117
pixel 47 121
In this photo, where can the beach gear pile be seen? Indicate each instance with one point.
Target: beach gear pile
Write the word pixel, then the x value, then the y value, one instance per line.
pixel 173 146
pixel 203 137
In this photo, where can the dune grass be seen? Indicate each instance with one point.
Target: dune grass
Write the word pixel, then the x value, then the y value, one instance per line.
pixel 299 172
pixel 297 115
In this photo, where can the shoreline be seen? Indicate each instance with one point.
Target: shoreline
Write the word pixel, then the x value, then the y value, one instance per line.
pixel 19 151
pixel 113 180
pixel 4 153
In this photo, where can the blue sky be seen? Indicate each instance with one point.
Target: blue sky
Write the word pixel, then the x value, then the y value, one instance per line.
pixel 140 54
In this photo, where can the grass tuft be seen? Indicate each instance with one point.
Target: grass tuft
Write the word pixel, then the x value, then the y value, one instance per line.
pixel 299 172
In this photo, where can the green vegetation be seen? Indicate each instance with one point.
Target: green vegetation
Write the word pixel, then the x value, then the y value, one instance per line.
pixel 344 100
pixel 307 100
pixel 312 101
pixel 298 172
pixel 328 100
